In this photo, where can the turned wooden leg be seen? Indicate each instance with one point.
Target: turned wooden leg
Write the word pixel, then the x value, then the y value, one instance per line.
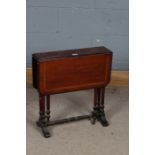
pixel 103 119
pixel 42 108
pixel 102 99
pixel 48 107
pixel 97 97
pixel 98 112
pixel 96 104
pixel 42 119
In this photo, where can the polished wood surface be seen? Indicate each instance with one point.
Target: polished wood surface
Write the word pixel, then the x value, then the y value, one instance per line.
pixel 55 55
pixel 74 74
pixel 118 78
pixel 71 73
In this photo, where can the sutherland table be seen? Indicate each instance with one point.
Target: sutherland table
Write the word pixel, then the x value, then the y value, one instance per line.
pixel 71 70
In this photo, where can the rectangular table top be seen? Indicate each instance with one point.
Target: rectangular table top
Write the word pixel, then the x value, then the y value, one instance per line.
pixel 53 55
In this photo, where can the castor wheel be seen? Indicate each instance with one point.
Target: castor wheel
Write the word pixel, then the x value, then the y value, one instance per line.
pixel 46 132
pixel 44 129
pixel 93 120
pixel 103 121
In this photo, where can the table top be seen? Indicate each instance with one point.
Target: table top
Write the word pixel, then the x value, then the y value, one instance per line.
pixel 54 55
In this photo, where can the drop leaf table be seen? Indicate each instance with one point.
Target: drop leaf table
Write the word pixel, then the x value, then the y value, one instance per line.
pixel 71 70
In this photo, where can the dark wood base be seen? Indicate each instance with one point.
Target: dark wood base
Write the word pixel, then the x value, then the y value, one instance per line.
pixel 44 129
pixel 97 113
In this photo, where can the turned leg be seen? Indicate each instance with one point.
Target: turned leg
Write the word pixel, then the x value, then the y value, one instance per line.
pixel 42 108
pixel 96 98
pixel 102 117
pixel 42 119
pixel 48 107
pixel 96 104
pixel 98 110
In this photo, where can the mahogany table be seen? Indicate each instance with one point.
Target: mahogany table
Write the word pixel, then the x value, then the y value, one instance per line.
pixel 71 70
